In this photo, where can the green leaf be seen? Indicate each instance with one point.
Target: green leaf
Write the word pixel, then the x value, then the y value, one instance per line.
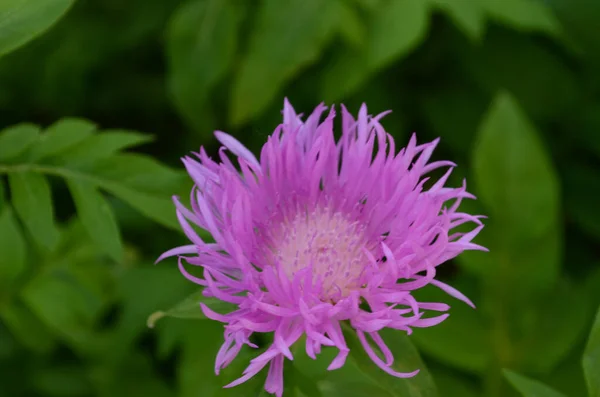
pixel 97 218
pixel 578 17
pixel 102 145
pixel 591 359
pixel 61 136
pixel 133 376
pixel 524 15
pixel 12 247
pixel 345 73
pixel 453 384
pixel 461 341
pixel 548 329
pixel 17 139
pixel 517 183
pixel 394 30
pixel 137 289
pixel 189 308
pixel 195 371
pixel 317 369
pixel 511 61
pixel 406 360
pixel 469 16
pixel 453 113
pixel 74 152
pixel 27 328
pixel 2 196
pixel 169 335
pixel 140 172
pixel 352 389
pixel 301 384
pixel 287 37
pixel 529 387
pixel 568 377
pixel 582 186
pixel 196 367
pixel 156 207
pixel 32 199
pixel 23 20
pixel 64 381
pixel 63 305
pixel 201 44
pixel 350 25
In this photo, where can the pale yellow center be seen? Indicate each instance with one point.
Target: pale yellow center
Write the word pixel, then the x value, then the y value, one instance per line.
pixel 328 242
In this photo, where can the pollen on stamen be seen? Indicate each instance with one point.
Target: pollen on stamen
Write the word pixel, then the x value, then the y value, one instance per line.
pixel 328 243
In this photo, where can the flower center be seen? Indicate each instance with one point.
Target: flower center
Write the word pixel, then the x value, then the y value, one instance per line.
pixel 329 243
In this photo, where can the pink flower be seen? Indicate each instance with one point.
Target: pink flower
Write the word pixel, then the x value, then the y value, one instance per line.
pixel 316 232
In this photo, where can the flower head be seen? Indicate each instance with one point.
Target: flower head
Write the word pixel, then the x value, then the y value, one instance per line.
pixel 319 231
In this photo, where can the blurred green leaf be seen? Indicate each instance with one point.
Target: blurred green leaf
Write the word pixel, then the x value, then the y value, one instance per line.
pixel 548 328
pixel 32 199
pixel 393 31
pixel 139 180
pixel 140 172
pixel 517 183
pixel 138 291
pixel 525 15
pixel 350 379
pixel 134 376
pixel 587 127
pixel 189 308
pixel 8 344
pixel 62 381
pixel 512 61
pixel 350 24
pixel 196 373
pixel 314 369
pixel 170 335
pixel 97 217
pixel 582 186
pixel 345 73
pixel 454 384
pixel 406 360
pixel 17 139
pixel 303 385
pixel 578 17
pixel 469 16
pixel 12 247
pixel 568 377
pixel 196 369
pixel 201 46
pixel 63 305
pixel 288 36
pixel 353 389
pixel 154 206
pixel 61 136
pixel 101 146
pixel 529 387
pixel 461 341
pixel 23 20
pixel 27 327
pixel 454 113
pixel 591 359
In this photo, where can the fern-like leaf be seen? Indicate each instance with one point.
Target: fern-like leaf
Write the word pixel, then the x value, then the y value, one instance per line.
pixel 91 162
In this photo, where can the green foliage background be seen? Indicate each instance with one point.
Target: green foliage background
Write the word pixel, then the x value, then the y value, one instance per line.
pixel 99 99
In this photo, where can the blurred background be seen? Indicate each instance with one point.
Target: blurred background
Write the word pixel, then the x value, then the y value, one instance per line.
pixel 511 87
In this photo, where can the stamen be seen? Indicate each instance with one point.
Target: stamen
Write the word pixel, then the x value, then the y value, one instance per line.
pixel 329 243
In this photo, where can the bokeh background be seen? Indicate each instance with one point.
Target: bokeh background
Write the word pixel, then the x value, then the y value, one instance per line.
pixel 512 87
